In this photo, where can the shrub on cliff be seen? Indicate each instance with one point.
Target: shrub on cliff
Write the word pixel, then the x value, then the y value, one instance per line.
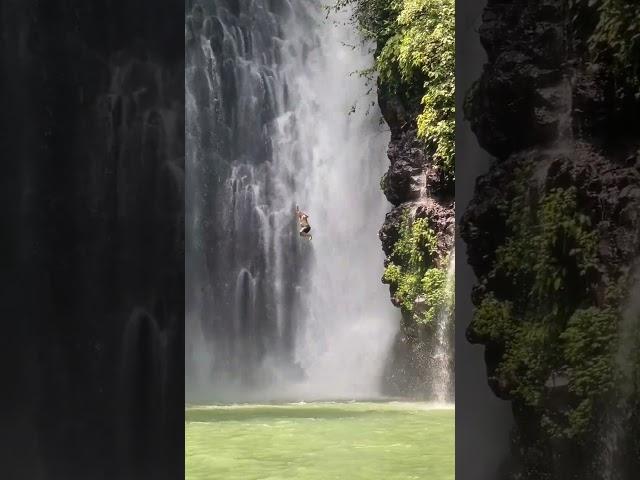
pixel 553 337
pixel 414 278
pixel 415 59
pixel 615 38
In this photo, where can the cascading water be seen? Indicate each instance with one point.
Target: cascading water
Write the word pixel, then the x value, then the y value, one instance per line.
pixel 442 360
pixel 271 87
pixel 615 440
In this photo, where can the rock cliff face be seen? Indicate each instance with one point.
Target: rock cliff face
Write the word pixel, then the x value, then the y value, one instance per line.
pixel 553 237
pixel 417 190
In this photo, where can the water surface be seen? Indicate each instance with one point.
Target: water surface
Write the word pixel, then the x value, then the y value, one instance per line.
pixel 320 441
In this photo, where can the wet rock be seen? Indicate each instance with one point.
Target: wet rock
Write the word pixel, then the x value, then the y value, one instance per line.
pixel 415 187
pixel 390 231
pixel 552 119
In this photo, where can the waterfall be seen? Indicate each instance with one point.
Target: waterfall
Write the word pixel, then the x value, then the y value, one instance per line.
pixel 442 382
pixel 278 116
pixel 615 438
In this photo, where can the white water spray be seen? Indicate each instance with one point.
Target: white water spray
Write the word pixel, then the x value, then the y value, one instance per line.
pixel 345 336
pixel 442 378
pixel 616 434
pixel 271 125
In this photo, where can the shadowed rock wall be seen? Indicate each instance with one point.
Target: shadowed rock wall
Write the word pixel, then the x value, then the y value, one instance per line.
pixel 552 235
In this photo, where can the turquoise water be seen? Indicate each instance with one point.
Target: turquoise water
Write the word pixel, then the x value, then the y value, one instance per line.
pixel 320 441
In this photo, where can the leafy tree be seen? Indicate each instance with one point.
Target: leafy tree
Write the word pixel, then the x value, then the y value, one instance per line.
pixel 415 57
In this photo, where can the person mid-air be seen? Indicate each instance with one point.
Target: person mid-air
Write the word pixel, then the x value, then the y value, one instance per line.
pixel 303 220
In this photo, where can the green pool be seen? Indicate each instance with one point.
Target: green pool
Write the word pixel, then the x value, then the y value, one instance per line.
pixel 320 441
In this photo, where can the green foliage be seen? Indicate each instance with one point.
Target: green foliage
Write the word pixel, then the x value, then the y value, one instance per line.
pixel 416 53
pixel 409 273
pixel 530 359
pixel 405 285
pixel 427 46
pixel 548 241
pixel 383 182
pixel 375 18
pixel 438 292
pixel 546 328
pixel 416 243
pixel 616 38
pixel 493 320
pixel 587 349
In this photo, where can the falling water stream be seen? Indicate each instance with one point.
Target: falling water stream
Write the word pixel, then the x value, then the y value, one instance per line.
pixel 278 116
pixel 615 438
pixel 443 354
pixel 612 445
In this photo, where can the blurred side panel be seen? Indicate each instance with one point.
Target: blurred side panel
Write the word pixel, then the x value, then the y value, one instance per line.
pixel 483 421
pixel 92 306
pixel 552 234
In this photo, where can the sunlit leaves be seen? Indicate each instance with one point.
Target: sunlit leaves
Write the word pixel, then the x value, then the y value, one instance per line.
pixel 416 52
pixel 410 272
pixel 423 50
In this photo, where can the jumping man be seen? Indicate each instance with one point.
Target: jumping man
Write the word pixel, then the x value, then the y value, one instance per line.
pixel 303 220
